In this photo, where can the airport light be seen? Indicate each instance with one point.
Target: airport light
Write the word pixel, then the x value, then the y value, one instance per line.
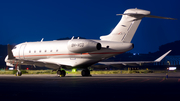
pixel 172 68
pixel 74 70
pixel 168 62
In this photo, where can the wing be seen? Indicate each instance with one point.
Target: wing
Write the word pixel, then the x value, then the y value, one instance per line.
pixel 136 62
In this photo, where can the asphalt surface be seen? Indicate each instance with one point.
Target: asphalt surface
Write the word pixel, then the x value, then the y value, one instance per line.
pixel 125 87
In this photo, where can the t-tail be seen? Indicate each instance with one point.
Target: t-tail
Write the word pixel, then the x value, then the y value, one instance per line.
pixel 127 26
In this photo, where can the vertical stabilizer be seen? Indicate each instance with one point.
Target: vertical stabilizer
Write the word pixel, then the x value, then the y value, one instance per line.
pixel 127 26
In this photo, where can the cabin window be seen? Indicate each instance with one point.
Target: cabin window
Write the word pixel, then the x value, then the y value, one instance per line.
pixel 51 51
pixel 45 51
pixel 57 50
pixel 34 51
pixel 39 51
pixel 29 51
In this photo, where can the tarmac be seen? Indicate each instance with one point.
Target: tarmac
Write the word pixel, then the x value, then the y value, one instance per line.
pixel 105 87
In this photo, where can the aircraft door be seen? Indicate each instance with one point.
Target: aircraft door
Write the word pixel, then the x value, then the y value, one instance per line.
pixel 21 51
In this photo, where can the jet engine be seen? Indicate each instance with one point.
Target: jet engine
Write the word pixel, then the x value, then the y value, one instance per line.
pixel 83 45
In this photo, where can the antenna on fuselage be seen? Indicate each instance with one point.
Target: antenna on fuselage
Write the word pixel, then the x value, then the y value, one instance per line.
pixel 72 38
pixel 42 39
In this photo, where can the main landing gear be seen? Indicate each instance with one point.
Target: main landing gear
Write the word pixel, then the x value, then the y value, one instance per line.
pixel 85 72
pixel 61 73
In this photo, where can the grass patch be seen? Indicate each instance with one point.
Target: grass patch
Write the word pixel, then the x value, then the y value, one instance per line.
pixel 41 72
pixel 79 72
pixel 6 72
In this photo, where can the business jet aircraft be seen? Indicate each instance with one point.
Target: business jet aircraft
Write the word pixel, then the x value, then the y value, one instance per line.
pixel 81 53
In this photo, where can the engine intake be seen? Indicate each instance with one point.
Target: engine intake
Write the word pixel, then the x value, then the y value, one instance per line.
pixel 83 45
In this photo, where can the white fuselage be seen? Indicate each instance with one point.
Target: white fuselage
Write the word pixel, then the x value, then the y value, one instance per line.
pixel 58 52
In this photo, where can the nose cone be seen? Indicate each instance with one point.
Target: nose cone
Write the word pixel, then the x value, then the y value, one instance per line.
pixel 6 59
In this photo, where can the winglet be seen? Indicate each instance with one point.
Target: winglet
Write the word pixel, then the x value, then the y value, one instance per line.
pixel 10 54
pixel 160 58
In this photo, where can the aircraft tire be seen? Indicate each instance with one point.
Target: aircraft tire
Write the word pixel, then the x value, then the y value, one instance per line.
pixel 58 73
pixel 85 72
pixel 61 73
pixel 18 73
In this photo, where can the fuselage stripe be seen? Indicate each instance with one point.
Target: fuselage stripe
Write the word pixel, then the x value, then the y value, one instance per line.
pixel 71 54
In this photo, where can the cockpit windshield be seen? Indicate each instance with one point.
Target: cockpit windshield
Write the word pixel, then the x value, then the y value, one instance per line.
pixel 15 47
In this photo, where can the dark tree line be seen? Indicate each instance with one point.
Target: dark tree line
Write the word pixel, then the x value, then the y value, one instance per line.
pixel 174 46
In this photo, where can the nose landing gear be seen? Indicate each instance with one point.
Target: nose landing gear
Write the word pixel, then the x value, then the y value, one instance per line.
pixel 18 73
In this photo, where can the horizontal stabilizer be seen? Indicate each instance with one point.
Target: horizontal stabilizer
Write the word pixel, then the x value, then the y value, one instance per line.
pixel 144 15
pixel 153 16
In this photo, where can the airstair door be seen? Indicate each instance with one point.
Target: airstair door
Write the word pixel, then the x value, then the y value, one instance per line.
pixel 21 51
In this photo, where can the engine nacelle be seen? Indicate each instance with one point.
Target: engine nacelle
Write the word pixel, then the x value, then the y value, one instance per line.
pixel 83 45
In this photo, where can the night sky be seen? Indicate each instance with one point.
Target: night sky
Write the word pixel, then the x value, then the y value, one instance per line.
pixel 32 20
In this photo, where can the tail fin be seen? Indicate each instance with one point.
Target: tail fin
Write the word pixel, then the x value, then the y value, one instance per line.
pixel 127 26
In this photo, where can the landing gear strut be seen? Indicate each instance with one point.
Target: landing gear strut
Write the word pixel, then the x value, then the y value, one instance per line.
pixel 61 73
pixel 85 72
pixel 18 73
